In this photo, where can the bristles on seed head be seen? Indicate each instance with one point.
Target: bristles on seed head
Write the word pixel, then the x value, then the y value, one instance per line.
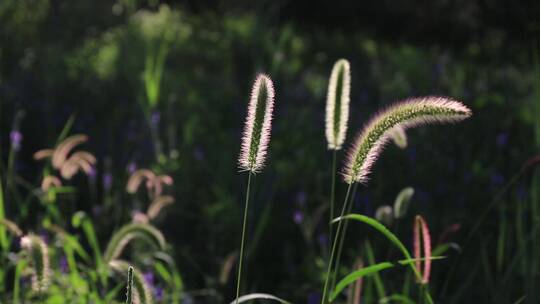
pixel 39 260
pixel 422 236
pixel 406 114
pixel 337 104
pixel 258 125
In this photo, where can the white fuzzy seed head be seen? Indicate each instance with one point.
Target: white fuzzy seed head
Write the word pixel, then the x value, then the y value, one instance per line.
pixel 337 104
pixel 405 114
pixel 258 125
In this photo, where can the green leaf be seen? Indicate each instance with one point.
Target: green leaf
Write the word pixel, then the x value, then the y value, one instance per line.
pixel 379 227
pixel 352 277
pixel 397 298
pixel 258 296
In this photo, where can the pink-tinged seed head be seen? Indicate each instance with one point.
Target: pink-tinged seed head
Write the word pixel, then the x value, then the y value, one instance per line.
pixel 422 236
pixel 258 125
pixel 405 114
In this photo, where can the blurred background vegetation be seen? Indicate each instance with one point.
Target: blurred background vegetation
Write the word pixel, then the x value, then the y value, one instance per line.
pixel 164 85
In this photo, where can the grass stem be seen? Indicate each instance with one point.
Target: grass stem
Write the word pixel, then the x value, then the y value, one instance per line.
pixel 324 300
pixel 243 239
pixel 332 198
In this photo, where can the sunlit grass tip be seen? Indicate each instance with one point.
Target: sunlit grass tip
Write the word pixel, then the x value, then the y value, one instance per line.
pixel 256 135
pixel 337 104
pixel 405 114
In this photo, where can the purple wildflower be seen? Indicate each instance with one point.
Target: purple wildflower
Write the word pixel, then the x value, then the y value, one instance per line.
pixel 132 167
pixel 107 181
pixel 155 118
pixel 63 264
pixel 502 139
pixel 16 138
pixel 298 217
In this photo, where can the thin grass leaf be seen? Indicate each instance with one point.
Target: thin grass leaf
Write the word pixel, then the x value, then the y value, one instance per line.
pixel 258 296
pixel 377 281
pixel 352 277
pixel 3 236
pixel 379 227
pixel 399 298
pixel 130 232
pixel 406 114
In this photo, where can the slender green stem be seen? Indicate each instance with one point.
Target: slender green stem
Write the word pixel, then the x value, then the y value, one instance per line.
pixel 324 300
pixel 342 238
pixel 243 238
pixel 332 198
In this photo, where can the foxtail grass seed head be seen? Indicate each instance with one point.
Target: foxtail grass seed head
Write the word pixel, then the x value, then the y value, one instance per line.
pixel 39 260
pixel 258 125
pixel 384 214
pixel 412 112
pixel 422 236
pixel 401 204
pixel 61 152
pixel 399 137
pixel 337 104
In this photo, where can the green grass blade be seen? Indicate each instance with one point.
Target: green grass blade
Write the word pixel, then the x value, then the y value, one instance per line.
pixel 259 296
pixel 397 298
pixel 352 277
pixel 3 236
pixel 379 227
pixel 379 286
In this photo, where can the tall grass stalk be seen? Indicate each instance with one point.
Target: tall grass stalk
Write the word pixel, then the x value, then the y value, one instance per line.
pixel 254 145
pixel 324 299
pixel 342 238
pixel 239 276
pixel 332 199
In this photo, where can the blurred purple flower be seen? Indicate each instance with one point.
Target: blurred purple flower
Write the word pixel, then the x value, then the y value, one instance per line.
pixel 322 239
pixel 44 236
pixel 107 181
pixel 132 167
pixel 198 153
pixel 155 118
pixel 92 174
pixel 298 217
pixel 497 179
pixel 96 210
pixel 301 198
pixel 149 278
pixel 502 139
pixel 158 294
pixel 63 264
pixel 16 138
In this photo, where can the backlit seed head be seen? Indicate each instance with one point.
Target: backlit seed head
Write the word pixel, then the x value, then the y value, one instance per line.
pixel 258 125
pixel 406 114
pixel 337 104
